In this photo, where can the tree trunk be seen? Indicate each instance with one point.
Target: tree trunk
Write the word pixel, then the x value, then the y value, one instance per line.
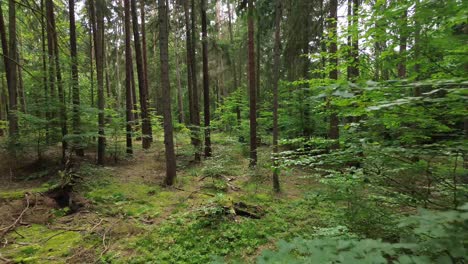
pixel 10 69
pixel 355 50
pixel 417 48
pixel 252 85
pixel 206 80
pixel 333 132
pixel 21 96
pixel 97 21
pixel 145 119
pixel 76 120
pixel 145 62
pixel 193 86
pixel 180 102
pixel 403 44
pixel 276 66
pixel 166 92
pixel 91 59
pixel 44 78
pixel 128 78
pixel 58 73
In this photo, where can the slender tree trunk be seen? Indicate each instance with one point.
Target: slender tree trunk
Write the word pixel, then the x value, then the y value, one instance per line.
pixel 180 102
pixel 276 66
pixel 3 104
pixel 44 74
pixel 355 50
pixel 333 132
pixel 191 83
pixel 145 61
pixel 403 44
pixel 417 48
pixel 252 85
pixel 206 80
pixel 21 96
pixel 91 60
pixel 10 69
pixel 97 21
pixel 233 61
pixel 58 73
pixel 195 93
pixel 128 78
pixel 145 119
pixel 76 120
pixel 166 98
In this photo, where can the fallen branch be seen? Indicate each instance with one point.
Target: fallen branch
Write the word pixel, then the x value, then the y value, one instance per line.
pixel 12 226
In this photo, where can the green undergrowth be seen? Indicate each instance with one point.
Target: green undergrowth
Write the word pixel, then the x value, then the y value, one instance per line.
pixel 131 199
pixel 209 232
pixel 39 244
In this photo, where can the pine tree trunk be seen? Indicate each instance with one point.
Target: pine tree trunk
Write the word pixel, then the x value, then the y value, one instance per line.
pixel 403 44
pixel 145 61
pixel 44 74
pixel 21 95
pixel 252 86
pixel 76 119
pixel 206 80
pixel 128 78
pixel 145 119
pixel 166 92
pixel 10 69
pixel 276 66
pixel 97 21
pixel 58 73
pixel 333 132
pixel 195 102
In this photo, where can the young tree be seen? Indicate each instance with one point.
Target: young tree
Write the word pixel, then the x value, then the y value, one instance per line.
pixel 166 92
pixel 276 66
pixel 252 85
pixel 128 78
pixel 206 80
pixel 145 119
pixel 76 120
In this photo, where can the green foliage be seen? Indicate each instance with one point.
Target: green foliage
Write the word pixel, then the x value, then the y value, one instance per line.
pixel 438 237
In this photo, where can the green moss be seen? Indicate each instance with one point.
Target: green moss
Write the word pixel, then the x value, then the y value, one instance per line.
pixel 14 194
pixel 132 199
pixel 38 244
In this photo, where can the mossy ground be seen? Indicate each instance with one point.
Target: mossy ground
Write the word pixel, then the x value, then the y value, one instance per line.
pixel 132 218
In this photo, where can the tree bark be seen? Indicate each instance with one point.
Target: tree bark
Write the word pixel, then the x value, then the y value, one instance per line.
pixel 97 21
pixel 276 66
pixel 193 85
pixel 76 120
pixel 333 132
pixel 252 86
pixel 166 92
pixel 403 44
pixel 128 78
pixel 145 61
pixel 44 75
pixel 10 68
pixel 206 80
pixel 145 119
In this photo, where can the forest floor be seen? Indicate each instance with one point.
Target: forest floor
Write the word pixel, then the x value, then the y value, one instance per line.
pixel 219 209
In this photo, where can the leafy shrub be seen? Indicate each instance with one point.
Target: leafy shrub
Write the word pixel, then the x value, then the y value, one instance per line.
pixel 437 237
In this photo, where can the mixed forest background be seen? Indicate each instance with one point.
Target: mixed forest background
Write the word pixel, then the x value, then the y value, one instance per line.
pixel 362 100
